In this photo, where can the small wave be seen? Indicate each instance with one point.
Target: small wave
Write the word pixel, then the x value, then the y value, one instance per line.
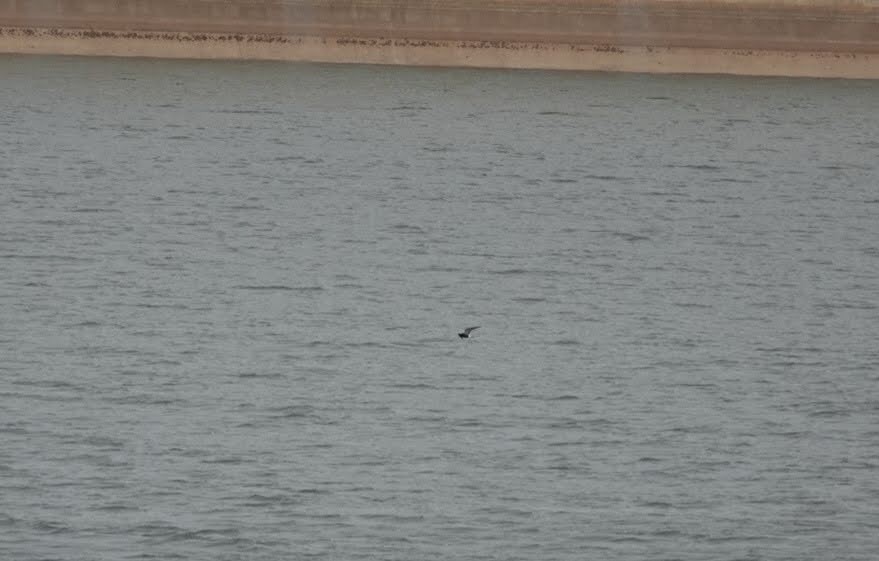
pixel 696 385
pixel 227 460
pixel 104 442
pixel 270 375
pixel 566 443
pixel 390 517
pixel 561 468
pixel 565 424
pixel 417 386
pixel 315 491
pixel 700 167
pixel 160 306
pixel 53 383
pixel 439 269
pixel 407 228
pixel 52 527
pixel 567 342
pixel 292 411
pixel 247 111
pixel 660 504
pixel 93 210
pixel 239 207
pixel 826 413
pixel 665 194
pixel 425 419
pixel 732 180
pixel 467 423
pixel 162 362
pixel 421 342
pixel 146 400
pixel 157 530
pixel 116 507
pixel 438 148
pixel 846 306
pixel 257 500
pixel 279 287
pixel 367 345
pixel 629 237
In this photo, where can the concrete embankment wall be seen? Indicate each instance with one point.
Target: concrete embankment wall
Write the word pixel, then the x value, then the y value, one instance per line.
pixel 775 37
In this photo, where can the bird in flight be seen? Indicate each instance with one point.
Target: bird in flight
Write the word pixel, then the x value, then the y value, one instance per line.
pixel 466 333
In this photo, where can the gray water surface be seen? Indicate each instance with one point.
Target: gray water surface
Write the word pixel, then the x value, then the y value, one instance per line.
pixel 230 294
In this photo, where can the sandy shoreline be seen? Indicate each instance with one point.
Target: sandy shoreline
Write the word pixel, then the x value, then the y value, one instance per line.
pixel 755 37
pixel 488 54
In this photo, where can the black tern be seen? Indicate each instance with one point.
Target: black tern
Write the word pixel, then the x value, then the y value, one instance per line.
pixel 466 334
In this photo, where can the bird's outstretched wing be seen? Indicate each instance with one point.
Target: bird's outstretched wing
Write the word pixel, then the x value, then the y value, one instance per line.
pixel 469 329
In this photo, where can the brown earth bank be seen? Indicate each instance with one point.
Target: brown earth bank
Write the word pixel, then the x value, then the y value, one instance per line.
pixel 786 37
